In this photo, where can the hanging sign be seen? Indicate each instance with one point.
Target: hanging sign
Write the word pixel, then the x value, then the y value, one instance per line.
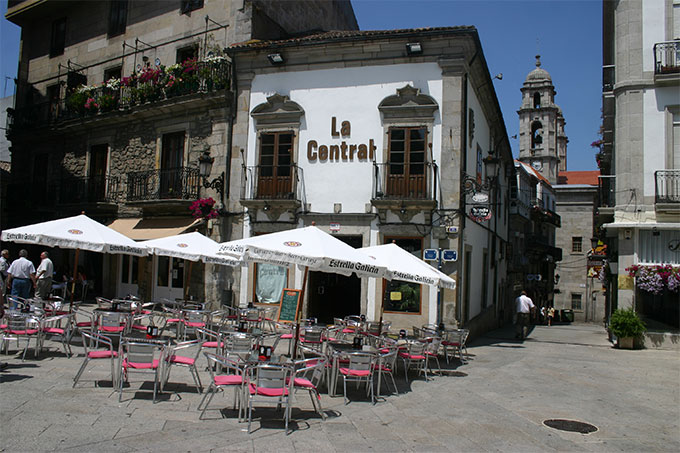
pixel 335 227
pixel 480 197
pixel 480 212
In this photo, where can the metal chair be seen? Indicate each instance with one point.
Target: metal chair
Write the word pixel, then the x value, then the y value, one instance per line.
pixel 432 353
pixel 268 382
pixel 385 365
pixel 359 369
pixel 140 356
pixel 308 375
pixel 24 326
pixel 414 354
pixel 97 347
pixel 233 377
pixel 61 327
pixel 173 358
pixel 453 343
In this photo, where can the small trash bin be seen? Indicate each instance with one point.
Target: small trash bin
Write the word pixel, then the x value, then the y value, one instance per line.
pixel 567 315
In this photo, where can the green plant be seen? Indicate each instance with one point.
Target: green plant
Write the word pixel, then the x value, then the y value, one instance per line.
pixel 626 323
pixel 76 101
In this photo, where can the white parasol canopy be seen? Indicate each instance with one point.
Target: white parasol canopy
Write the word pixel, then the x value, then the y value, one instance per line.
pixel 402 265
pixel 78 232
pixel 190 246
pixel 308 247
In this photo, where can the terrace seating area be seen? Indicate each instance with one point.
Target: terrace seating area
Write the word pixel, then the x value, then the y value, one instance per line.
pixel 128 348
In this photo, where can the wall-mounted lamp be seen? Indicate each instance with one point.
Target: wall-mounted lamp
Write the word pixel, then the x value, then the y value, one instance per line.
pixel 205 163
pixel 414 48
pixel 656 232
pixel 492 165
pixel 593 242
pixel 266 208
pixel 275 58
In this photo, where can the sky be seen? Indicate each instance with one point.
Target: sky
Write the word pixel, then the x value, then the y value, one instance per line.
pixel 566 33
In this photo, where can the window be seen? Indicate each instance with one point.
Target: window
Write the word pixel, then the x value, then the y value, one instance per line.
pixel 187 53
pixel 191 5
pixel 576 303
pixel 270 280
pixel 117 17
pixel 577 244
pixel 97 173
pixel 536 134
pixel 400 296
pixel 172 159
pixel 112 73
pixel 58 40
pixel 406 163
pixel 274 171
pixel 537 100
pixel 53 94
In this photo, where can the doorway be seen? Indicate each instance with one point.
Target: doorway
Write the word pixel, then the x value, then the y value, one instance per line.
pixel 334 295
pixel 128 272
pixel 168 278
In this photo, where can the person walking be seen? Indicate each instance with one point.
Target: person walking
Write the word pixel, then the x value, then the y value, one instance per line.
pixel 4 265
pixel 43 285
pixel 21 273
pixel 524 305
pixel 551 315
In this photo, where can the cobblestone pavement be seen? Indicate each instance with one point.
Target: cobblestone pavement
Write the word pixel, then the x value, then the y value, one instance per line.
pixel 497 401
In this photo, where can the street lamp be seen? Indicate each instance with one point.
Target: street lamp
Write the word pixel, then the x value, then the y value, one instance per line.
pixel 205 163
pixel 492 165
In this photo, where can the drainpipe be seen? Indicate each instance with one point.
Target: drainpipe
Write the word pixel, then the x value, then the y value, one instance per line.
pixel 461 237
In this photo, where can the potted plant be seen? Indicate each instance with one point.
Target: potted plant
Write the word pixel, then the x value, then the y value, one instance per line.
pixel 627 326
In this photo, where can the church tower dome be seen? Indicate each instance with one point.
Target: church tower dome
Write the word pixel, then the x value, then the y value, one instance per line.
pixel 542 141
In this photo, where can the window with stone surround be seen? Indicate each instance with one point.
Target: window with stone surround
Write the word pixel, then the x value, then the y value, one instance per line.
pixel 58 37
pixel 400 296
pixel 191 5
pixel 117 17
pixel 577 244
pixel 577 301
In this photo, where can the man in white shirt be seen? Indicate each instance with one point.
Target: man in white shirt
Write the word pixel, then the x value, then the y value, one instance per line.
pixel 43 286
pixel 524 305
pixel 21 273
pixel 4 265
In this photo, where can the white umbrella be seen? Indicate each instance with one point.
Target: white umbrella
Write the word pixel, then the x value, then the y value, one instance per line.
pixel 78 232
pixel 308 247
pixel 402 265
pixel 190 246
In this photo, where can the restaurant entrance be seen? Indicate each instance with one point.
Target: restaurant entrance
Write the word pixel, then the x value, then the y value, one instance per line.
pixel 334 295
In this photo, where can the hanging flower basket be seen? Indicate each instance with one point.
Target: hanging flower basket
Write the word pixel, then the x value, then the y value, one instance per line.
pixel 655 279
pixel 203 208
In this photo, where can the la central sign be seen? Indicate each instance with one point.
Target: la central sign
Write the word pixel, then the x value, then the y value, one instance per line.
pixel 342 151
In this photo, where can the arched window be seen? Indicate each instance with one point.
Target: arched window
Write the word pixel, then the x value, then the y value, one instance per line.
pixel 537 100
pixel 536 134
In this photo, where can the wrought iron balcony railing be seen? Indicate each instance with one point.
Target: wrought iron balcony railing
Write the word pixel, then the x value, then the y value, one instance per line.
pixel 131 93
pixel 667 183
pixel 667 57
pixel 165 184
pixel 399 181
pixel 269 182
pixel 88 189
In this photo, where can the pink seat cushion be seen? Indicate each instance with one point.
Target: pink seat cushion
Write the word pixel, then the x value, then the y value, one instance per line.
pixel 212 344
pixel 359 373
pixel 304 383
pixel 287 336
pixel 24 332
pixel 431 354
pixel 101 354
pixel 449 343
pixel 194 324
pixel 181 360
pixel 348 330
pixel 3 326
pixel 406 355
pixel 262 391
pixel 141 366
pixel 85 324
pixel 382 368
pixel 54 330
pixel 173 320
pixel 139 327
pixel 228 379
pixel 112 328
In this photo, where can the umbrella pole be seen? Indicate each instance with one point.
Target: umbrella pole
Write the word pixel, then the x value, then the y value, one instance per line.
pixel 187 281
pixel 382 310
pixel 297 313
pixel 73 283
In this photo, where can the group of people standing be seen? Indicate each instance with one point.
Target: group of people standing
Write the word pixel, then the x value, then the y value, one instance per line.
pixel 20 276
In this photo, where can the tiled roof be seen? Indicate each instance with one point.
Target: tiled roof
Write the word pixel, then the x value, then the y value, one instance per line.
pixel 529 169
pixel 348 35
pixel 578 177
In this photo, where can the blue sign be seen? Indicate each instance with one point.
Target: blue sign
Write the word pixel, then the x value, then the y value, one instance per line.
pixel 431 254
pixel 449 255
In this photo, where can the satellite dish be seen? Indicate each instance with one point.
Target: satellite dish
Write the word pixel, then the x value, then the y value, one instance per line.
pixel 157 61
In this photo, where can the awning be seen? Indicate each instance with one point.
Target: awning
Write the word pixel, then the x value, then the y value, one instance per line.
pixel 642 225
pixel 144 229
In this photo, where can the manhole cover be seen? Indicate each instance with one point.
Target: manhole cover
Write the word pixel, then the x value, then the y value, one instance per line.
pixel 570 425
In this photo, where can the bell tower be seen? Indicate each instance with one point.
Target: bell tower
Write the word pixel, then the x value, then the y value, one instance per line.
pixel 542 141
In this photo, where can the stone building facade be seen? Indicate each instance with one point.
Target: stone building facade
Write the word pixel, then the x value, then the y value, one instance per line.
pixel 117 101
pixel 640 151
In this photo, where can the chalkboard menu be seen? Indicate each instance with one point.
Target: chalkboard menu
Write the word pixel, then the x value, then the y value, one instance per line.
pixel 288 307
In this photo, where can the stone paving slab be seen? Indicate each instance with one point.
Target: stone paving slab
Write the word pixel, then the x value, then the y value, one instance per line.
pixel 498 400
